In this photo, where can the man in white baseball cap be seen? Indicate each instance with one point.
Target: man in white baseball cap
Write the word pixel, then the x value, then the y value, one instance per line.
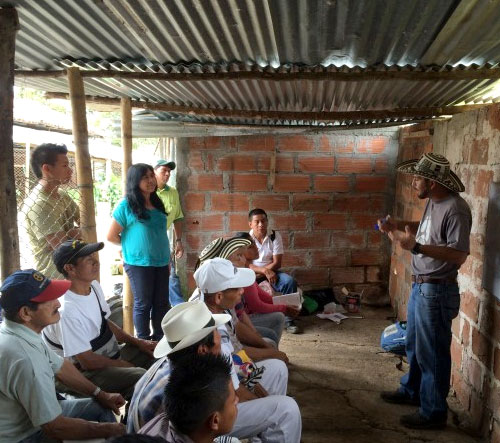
pixel 274 416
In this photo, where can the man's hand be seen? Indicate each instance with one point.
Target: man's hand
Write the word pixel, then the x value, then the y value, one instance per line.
pixel 386 225
pixel 111 401
pixel 259 391
pixel 292 311
pixel 179 249
pixel 280 356
pixel 270 275
pixel 146 346
pixel 405 239
pixel 114 429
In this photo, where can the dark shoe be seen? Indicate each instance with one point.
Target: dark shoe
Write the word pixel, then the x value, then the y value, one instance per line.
pixel 292 329
pixel 399 398
pixel 417 421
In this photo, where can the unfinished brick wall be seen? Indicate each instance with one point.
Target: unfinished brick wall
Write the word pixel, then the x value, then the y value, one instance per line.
pixel 324 196
pixel 471 141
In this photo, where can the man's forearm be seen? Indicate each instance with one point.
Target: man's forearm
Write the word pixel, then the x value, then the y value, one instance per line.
pixel 64 428
pixel 178 229
pixel 400 226
pixel 444 253
pixel 249 337
pixel 258 354
pixel 71 377
pixel 120 335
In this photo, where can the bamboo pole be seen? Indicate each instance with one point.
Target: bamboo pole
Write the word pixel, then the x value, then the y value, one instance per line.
pixel 9 238
pixel 326 116
pixel 349 76
pixel 126 130
pixel 82 156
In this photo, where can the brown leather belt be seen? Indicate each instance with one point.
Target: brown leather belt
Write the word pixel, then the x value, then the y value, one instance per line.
pixel 433 280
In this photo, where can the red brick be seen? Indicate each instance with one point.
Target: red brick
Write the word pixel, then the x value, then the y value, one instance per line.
pixel 205 142
pixel 329 258
pixel 311 240
pixel 213 222
pixel 481 347
pixel 331 184
pixel 194 201
pixel 329 221
pixel 340 145
pixel 248 182
pixel 256 143
pixel 479 152
pixel 271 203
pixel 352 204
pixel 296 143
pixel 191 259
pixel 316 164
pixel 381 165
pixel 373 274
pixel 195 161
pixel 455 326
pixel 237 162
pixel 293 259
pixel 312 276
pixel 465 338
pixel 348 240
pixel 482 183
pixel 347 275
pixel 373 145
pixel 313 203
pixel 229 202
pixel 194 242
pixel 366 257
pixel 472 373
pixel 374 238
pixel 292 183
pixel 283 164
pixel 462 390
pixel 477 246
pixel 205 182
pixel 361 221
pixel 295 222
pixel 238 222
pixel 348 165
pixel 371 184
pixel 190 281
pixel 469 305
pixel 456 353
pixel 496 365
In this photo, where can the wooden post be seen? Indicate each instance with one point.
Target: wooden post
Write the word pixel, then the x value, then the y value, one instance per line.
pixel 128 298
pixel 9 239
pixel 82 156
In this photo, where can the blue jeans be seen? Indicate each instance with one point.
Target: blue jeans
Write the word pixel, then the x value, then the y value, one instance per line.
pixel 284 283
pixel 431 309
pixel 149 285
pixel 269 325
pixel 84 408
pixel 174 292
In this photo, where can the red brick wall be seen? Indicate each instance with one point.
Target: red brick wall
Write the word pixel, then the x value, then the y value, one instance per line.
pixel 326 194
pixel 471 141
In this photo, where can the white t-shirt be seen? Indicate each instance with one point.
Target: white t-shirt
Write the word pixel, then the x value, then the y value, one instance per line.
pixel 268 248
pixel 80 321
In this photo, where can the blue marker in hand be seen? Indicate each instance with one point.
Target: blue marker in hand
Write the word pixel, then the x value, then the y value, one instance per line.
pixel 383 221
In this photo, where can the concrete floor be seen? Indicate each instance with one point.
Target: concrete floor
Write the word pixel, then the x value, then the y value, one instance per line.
pixel 336 376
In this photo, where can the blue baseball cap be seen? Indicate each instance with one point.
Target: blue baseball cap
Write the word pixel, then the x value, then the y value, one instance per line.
pixel 29 285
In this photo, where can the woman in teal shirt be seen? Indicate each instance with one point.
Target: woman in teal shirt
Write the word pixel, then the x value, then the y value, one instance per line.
pixel 140 226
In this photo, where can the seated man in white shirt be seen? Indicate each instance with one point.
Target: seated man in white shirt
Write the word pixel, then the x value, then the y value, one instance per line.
pixel 270 246
pixel 85 334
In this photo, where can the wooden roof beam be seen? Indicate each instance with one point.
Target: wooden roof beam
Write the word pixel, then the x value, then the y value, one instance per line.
pixel 327 116
pixel 456 75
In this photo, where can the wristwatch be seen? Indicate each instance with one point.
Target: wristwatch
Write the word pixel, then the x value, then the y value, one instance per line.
pixel 416 249
pixel 96 392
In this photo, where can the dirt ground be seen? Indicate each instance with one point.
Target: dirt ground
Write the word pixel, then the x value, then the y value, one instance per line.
pixel 336 375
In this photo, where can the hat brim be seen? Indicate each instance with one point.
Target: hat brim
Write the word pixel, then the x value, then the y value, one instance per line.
pixel 452 182
pixel 56 289
pixel 163 348
pixel 170 165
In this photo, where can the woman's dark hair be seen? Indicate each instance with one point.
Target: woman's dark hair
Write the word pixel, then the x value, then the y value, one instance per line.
pixel 133 194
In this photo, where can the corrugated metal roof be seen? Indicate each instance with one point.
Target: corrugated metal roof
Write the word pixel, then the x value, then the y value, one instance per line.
pixel 272 35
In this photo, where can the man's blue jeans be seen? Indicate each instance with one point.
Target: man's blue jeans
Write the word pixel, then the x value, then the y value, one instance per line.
pixel 431 309
pixel 285 283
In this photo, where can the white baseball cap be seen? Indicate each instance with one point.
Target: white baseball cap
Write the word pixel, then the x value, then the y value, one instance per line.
pixel 219 274
pixel 186 324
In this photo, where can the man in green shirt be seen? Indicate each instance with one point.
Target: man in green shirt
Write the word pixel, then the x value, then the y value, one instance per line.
pixel 30 409
pixel 170 198
pixel 50 215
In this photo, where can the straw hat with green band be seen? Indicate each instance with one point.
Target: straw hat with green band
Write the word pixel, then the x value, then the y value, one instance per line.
pixel 434 167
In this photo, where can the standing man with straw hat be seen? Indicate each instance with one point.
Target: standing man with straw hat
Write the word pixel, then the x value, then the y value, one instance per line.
pixel 439 244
